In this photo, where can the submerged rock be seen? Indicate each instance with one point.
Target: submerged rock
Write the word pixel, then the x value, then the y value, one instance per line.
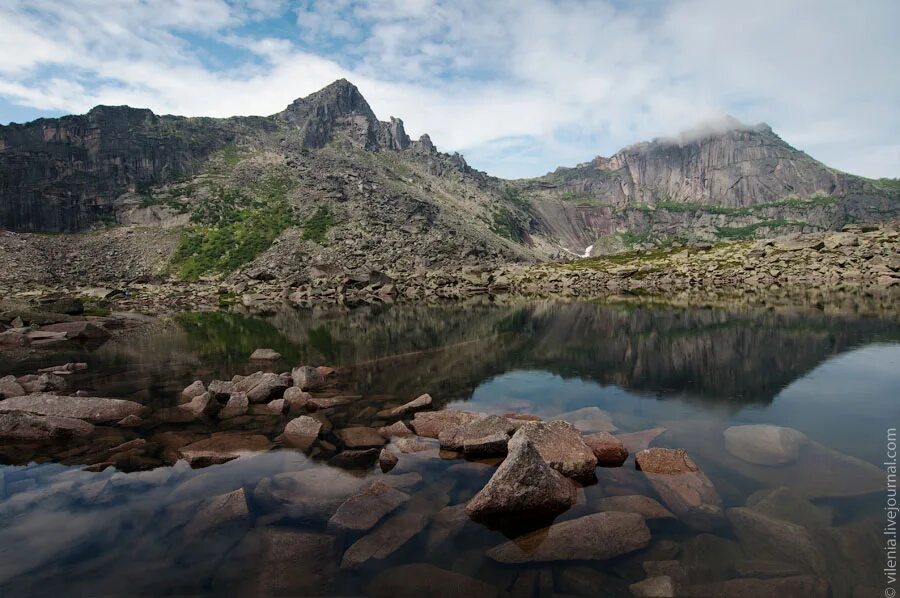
pixel 355 459
pixel 762 534
pixel 385 539
pixel 362 511
pixel 18 426
pixel 642 505
pixel 592 537
pixel 683 487
pixel 524 486
pixel 307 495
pixel 395 429
pixel 764 444
pixel 91 409
pixel 217 512
pixel 801 586
pixel 421 579
pixel 10 388
pixel 589 420
pixel 560 445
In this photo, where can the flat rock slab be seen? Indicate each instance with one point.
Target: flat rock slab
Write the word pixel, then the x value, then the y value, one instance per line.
pixel 764 444
pixel 418 404
pixel 217 512
pixel 560 445
pixel 21 426
pixel 524 486
pixel 431 423
pixel 762 534
pixel 421 579
pixel 384 540
pixel 593 537
pixel 78 330
pixel 265 355
pixel 644 506
pixel 223 447
pixel 589 420
pixel 360 437
pixel 289 562
pixel 310 494
pixel 362 511
pixel 482 434
pixel 683 487
pixel 91 409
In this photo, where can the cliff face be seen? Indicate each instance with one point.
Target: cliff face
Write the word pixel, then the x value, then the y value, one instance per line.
pixel 65 174
pixel 731 181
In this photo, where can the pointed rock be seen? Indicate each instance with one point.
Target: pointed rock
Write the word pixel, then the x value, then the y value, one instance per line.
pixel 524 486
pixel 560 445
pixel 302 432
pixel 362 511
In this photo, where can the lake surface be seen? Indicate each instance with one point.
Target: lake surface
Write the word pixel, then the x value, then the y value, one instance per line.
pixel 146 529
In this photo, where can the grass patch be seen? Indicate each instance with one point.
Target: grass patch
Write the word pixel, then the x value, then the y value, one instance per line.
pixel 505 224
pixel 316 227
pixel 232 227
pixel 747 232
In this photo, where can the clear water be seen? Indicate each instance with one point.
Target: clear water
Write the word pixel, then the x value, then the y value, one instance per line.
pixel 68 531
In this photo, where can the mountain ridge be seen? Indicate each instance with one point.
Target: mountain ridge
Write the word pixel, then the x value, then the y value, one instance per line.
pixel 374 187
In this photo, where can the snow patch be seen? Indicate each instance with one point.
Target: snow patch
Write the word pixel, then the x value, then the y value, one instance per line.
pixel 587 251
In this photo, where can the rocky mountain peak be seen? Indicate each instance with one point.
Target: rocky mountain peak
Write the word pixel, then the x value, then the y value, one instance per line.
pixel 340 105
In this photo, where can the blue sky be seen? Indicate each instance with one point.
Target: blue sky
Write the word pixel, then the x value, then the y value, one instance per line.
pixel 518 87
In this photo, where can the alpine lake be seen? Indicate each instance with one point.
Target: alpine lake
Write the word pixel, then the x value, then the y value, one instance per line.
pixel 141 510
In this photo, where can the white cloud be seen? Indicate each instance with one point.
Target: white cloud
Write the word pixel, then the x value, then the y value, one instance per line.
pixel 519 86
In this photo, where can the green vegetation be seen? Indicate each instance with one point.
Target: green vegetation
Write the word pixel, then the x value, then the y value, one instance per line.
pixel 507 225
pixel 315 228
pixel 670 205
pixel 887 184
pixel 747 232
pixel 580 198
pixel 514 196
pixel 232 227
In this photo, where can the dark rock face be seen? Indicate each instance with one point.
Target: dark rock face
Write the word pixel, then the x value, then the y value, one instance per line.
pixel 318 115
pixel 65 174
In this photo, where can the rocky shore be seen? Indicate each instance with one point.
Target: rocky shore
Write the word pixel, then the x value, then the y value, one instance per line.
pixel 859 262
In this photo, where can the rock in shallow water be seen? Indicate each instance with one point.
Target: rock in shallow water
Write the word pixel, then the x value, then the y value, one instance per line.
pixel 642 505
pixel 592 537
pixel 524 486
pixel 265 355
pixel 610 451
pixel 362 511
pixel 764 444
pixel 17 426
pixel 307 378
pixel 421 579
pixel 302 432
pixel 223 447
pixel 91 409
pixel 431 423
pixel 683 487
pixel 560 445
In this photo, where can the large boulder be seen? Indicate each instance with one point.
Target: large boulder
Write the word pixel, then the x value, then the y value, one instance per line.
pixel 21 426
pixel 560 445
pixel 764 444
pixel 237 405
pixel 683 487
pixel 362 511
pixel 194 389
pixel 302 432
pixel 592 537
pixel 92 409
pixel 523 487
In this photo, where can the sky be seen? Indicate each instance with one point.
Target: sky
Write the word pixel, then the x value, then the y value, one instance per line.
pixel 518 87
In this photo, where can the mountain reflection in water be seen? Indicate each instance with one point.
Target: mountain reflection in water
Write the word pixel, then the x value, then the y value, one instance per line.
pixel 693 371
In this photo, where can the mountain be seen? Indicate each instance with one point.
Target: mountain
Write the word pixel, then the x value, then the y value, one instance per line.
pixel 324 184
